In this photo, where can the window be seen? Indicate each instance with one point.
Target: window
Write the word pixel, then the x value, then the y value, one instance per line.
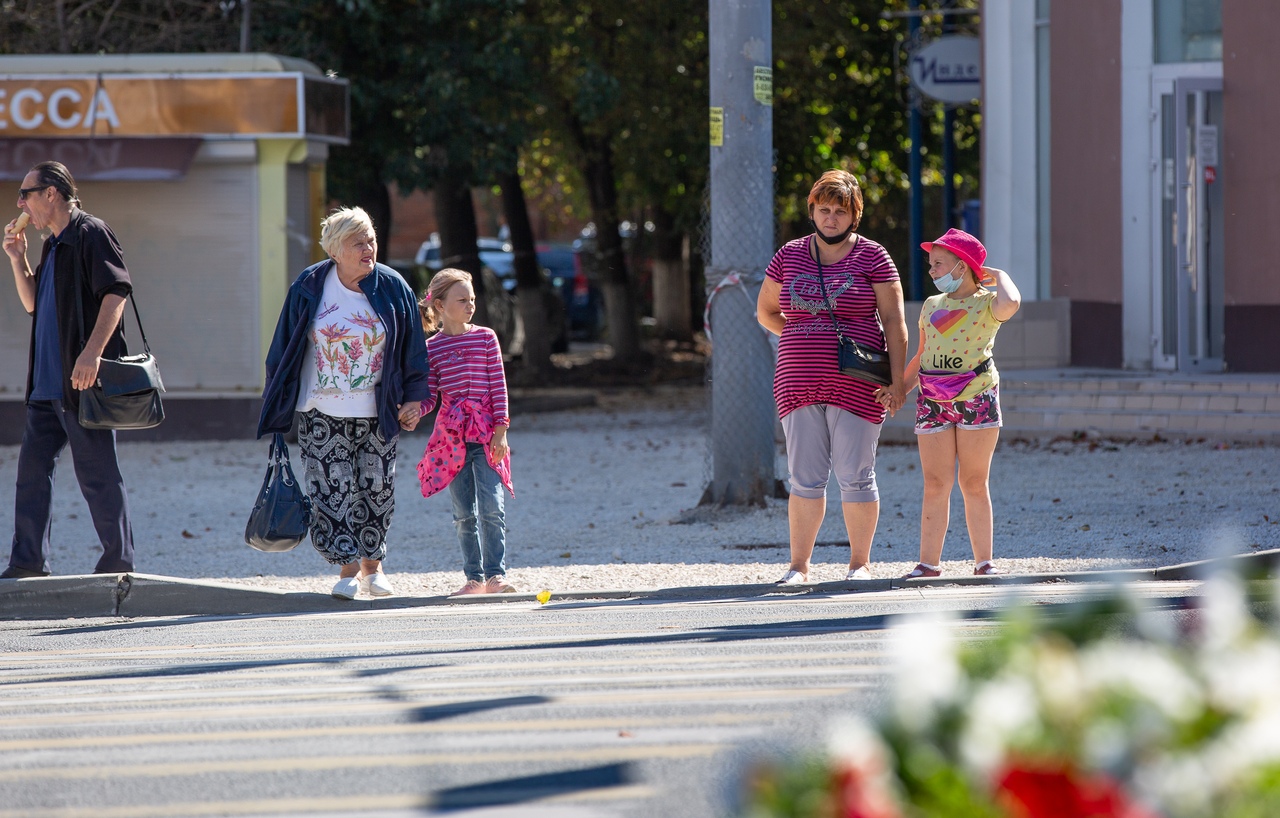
pixel 1188 30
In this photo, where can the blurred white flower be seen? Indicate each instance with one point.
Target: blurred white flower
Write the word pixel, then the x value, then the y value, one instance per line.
pixel 1004 712
pixel 1242 749
pixel 1177 786
pixel 857 743
pixel 1105 745
pixel 927 673
pixel 1144 672
pixel 1224 616
pixel 1244 680
pixel 1056 673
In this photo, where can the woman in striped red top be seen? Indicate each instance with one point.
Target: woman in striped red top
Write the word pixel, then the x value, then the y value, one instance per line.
pixel 468 450
pixel 832 421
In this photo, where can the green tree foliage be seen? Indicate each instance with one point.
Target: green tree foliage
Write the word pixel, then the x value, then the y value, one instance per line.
pixel 601 107
pixel 116 26
pixel 839 101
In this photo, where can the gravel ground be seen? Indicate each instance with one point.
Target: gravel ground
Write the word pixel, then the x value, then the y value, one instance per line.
pixel 607 496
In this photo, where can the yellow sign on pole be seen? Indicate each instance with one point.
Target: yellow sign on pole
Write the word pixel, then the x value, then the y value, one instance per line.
pixel 717 127
pixel 762 85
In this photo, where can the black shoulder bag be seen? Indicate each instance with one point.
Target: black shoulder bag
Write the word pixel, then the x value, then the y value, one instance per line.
pixel 281 517
pixel 127 392
pixel 854 359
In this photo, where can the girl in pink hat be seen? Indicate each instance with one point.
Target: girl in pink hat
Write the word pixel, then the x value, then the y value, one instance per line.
pixel 958 408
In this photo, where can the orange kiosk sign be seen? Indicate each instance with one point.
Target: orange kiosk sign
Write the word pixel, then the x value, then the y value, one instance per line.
pixel 214 106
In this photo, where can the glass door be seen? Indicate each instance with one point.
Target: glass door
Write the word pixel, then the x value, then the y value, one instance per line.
pixel 1189 259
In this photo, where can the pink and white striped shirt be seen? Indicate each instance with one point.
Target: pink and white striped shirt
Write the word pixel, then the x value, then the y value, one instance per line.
pixel 468 367
pixel 808 372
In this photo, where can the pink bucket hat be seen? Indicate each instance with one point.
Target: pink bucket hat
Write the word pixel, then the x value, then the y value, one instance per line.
pixel 965 246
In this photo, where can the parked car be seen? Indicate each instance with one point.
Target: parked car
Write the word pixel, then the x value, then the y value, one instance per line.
pixel 502 306
pixel 498 259
pixel 584 303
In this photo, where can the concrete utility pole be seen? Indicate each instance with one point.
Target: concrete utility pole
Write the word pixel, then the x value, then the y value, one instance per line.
pixel 743 413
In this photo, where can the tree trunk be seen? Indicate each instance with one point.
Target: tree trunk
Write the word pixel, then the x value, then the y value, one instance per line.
pixel 533 295
pixel 619 300
pixel 456 216
pixel 672 312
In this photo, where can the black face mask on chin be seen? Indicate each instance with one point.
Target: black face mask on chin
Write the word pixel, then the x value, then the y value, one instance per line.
pixel 827 239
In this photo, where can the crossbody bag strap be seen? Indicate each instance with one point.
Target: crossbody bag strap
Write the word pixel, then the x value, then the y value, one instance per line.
pixel 133 301
pixel 146 347
pixel 976 371
pixel 822 287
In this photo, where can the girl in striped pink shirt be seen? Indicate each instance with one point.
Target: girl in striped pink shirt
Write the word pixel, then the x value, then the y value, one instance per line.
pixel 468 450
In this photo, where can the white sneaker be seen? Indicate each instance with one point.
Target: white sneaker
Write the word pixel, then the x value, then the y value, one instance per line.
pixel 346 588
pixel 862 572
pixel 376 585
pixel 792 578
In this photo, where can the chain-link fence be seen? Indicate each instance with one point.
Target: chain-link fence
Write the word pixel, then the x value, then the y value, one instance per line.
pixel 738 239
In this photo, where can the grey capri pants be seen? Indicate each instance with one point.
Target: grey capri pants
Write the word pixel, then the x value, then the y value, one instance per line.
pixel 822 438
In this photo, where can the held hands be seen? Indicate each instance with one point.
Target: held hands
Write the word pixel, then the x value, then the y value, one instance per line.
pixel 499 445
pixel 410 414
pixel 891 397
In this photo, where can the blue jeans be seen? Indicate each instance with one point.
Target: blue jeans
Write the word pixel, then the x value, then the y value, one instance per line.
pixel 483 536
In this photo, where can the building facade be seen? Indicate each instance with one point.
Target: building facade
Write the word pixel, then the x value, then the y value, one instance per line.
pixel 210 168
pixel 1128 168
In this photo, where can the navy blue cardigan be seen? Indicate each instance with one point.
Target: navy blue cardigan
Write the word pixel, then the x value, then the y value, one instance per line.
pixel 404 368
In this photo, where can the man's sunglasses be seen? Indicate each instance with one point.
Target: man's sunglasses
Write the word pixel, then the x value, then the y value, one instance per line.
pixel 24 192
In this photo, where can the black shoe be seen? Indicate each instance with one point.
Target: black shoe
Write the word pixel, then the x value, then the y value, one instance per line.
pixel 14 572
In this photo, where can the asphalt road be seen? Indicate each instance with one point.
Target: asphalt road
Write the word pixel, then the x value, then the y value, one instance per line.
pixel 575 709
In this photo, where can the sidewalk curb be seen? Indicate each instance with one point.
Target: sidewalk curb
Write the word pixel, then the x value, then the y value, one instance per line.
pixel 147 595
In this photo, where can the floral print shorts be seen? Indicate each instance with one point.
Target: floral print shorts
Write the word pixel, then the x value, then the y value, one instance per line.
pixel 982 411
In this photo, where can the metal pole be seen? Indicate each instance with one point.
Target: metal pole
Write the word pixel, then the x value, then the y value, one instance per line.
pixel 244 26
pixel 948 151
pixel 948 168
pixel 914 173
pixel 743 413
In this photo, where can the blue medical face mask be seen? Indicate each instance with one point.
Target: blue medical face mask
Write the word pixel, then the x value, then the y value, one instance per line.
pixel 949 283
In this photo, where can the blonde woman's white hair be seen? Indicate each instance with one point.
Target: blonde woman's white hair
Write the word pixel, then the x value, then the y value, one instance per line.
pixel 339 226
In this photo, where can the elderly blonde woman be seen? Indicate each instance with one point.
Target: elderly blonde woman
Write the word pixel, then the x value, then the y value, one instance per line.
pixel 350 360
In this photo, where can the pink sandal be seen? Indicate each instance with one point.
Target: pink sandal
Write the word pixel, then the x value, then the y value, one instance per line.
pixel 986 568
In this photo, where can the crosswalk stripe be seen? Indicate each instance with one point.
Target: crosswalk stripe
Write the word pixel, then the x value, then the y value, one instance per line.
pixel 335 805
pixel 237 707
pixel 346 762
pixel 489 686
pixel 621 722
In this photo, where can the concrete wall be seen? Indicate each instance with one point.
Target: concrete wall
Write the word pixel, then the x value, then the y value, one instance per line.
pixel 1037 337
pixel 1250 175
pixel 1009 140
pixel 1087 233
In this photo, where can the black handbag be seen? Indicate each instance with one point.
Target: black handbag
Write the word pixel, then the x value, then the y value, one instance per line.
pixel 282 515
pixel 854 359
pixel 127 392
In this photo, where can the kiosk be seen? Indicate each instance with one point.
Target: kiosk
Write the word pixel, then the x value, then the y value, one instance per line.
pixel 210 168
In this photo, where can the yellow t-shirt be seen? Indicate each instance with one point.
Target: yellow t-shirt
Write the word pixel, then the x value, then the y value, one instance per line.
pixel 958 334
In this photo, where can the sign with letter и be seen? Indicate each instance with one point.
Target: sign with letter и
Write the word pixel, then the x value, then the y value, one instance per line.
pixel 948 69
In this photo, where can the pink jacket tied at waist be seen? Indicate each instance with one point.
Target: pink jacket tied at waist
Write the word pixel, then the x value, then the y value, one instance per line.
pixel 457 424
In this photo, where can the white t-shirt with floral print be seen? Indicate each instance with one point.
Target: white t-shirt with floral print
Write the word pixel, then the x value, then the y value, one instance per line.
pixel 345 348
